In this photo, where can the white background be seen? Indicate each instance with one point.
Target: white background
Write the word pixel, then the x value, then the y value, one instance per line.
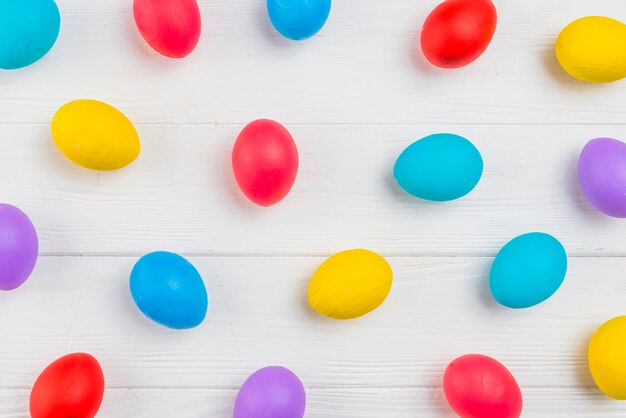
pixel 353 97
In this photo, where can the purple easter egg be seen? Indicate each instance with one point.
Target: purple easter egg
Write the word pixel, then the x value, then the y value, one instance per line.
pixel 272 392
pixel 602 175
pixel 18 247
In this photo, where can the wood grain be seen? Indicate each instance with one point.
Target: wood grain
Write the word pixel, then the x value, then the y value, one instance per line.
pixel 439 308
pixel 353 97
pixel 362 68
pixel 324 403
pixel 181 195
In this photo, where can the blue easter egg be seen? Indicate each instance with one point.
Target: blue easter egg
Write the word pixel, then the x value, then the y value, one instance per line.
pixel 169 290
pixel 439 167
pixel 528 270
pixel 28 29
pixel 298 19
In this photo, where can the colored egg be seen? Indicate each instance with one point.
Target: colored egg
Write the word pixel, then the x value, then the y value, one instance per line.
pixel 171 27
pixel 265 162
pixel 592 49
pixel 95 135
pixel 478 386
pixel 169 290
pixel 28 30
pixel 298 19
pixel 19 247
pixel 440 168
pixel 602 175
pixel 607 358
pixel 457 32
pixel 72 386
pixel 350 284
pixel 272 392
pixel 528 270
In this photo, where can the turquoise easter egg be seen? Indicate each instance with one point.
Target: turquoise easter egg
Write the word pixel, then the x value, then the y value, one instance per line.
pixel 440 167
pixel 528 270
pixel 28 30
pixel 169 290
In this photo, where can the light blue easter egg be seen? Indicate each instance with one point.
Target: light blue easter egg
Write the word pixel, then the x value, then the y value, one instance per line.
pixel 528 270
pixel 28 29
pixel 169 290
pixel 298 19
pixel 440 167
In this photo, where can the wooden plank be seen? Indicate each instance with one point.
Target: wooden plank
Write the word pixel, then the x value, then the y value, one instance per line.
pixel 439 308
pixel 361 69
pixel 321 403
pixel 181 195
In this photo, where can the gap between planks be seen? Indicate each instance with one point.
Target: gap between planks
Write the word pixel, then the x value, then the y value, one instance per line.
pixel 580 255
pixel 323 389
pixel 341 124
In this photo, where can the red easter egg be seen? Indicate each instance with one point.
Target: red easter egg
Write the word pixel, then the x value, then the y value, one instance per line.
pixel 478 386
pixel 171 27
pixel 265 162
pixel 70 387
pixel 457 32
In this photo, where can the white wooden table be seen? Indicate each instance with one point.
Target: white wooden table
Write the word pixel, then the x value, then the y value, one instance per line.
pixel 353 98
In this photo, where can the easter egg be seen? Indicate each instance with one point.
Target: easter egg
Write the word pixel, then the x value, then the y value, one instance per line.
pixel 592 49
pixel 265 162
pixel 169 290
pixel 19 247
pixel 28 30
pixel 607 358
pixel 440 168
pixel 528 270
pixel 72 386
pixel 95 135
pixel 171 27
pixel 272 392
pixel 478 386
pixel 602 175
pixel 350 284
pixel 457 32
pixel 298 19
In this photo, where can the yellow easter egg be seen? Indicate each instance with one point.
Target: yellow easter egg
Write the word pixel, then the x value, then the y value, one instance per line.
pixel 95 135
pixel 593 49
pixel 607 358
pixel 350 284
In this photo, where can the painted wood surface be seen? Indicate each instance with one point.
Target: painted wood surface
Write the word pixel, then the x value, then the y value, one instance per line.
pixel 362 68
pixel 353 97
pixel 439 308
pixel 181 195
pixel 323 403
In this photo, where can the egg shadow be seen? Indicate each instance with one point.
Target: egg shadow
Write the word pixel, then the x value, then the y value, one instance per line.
pixel 229 181
pixel 417 55
pixel 308 310
pixel 438 401
pixel 485 296
pixel 583 375
pixel 562 77
pixel 268 30
pixel 149 55
pixel 419 206
pixel 576 195
pixel 398 193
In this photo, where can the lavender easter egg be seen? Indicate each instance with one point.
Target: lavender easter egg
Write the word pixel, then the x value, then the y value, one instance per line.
pixel 272 392
pixel 19 247
pixel 602 175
